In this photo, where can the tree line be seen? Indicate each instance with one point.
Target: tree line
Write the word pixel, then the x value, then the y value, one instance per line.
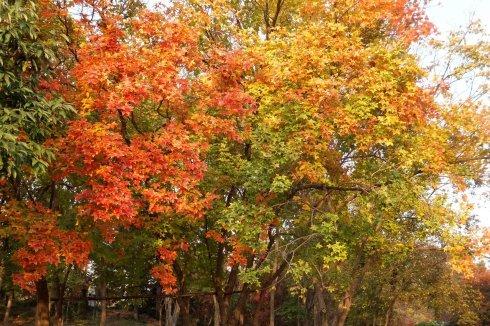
pixel 251 162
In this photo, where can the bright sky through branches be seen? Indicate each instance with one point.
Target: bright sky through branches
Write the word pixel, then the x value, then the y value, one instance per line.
pixel 449 15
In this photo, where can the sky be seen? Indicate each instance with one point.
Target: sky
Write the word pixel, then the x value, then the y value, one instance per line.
pixel 450 15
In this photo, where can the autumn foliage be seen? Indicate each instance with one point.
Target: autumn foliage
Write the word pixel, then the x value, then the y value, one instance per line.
pixel 289 161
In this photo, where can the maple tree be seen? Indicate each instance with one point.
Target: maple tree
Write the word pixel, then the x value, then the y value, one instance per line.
pixel 240 158
pixel 32 111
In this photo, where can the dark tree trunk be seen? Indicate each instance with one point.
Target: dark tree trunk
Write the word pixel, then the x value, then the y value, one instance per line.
pixel 103 304
pixel 83 306
pixel 319 307
pixel 59 305
pixel 61 294
pixel 184 304
pixel 272 300
pixel 8 308
pixel 272 307
pixel 389 313
pixel 42 307
pixel 171 312
pixel 158 305
pixel 239 311
pixel 216 312
pixel 223 308
pixel 347 301
pixel 258 311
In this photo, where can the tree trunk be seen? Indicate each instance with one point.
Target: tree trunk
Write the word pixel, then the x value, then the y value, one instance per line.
pixel 349 294
pixel 272 299
pixel 59 309
pixel 256 312
pixel 319 307
pixel 83 305
pixel 160 314
pixel 42 307
pixel 344 308
pixel 103 304
pixel 184 308
pixel 222 307
pixel 158 305
pixel 217 314
pixel 171 312
pixel 272 305
pixel 8 308
pixel 389 313
pixel 222 312
pixel 61 294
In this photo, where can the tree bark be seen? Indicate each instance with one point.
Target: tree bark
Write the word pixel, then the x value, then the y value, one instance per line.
pixel 217 314
pixel 83 307
pixel 347 300
pixel 272 305
pixel 272 299
pixel 222 306
pixel 171 312
pixel 103 304
pixel 256 316
pixel 319 307
pixel 184 305
pixel 158 305
pixel 61 294
pixel 239 311
pixel 8 308
pixel 389 313
pixel 42 307
pixel 160 314
pixel 344 309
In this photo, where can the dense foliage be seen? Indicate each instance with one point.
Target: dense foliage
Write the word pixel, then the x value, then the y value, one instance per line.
pixel 241 162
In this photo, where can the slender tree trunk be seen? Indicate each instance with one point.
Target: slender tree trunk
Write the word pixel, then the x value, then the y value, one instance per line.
pixel 184 309
pixel 8 308
pixel 61 294
pixel 158 305
pixel 272 299
pixel 239 311
pixel 349 294
pixel 222 308
pixel 59 306
pixel 256 315
pixel 389 313
pixel 172 311
pixel 309 306
pixel 272 305
pixel 217 314
pixel 344 308
pixel 103 304
pixel 319 307
pixel 83 308
pixel 160 315
pixel 42 307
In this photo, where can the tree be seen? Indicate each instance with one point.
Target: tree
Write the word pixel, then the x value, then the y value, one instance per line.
pixel 258 156
pixel 32 57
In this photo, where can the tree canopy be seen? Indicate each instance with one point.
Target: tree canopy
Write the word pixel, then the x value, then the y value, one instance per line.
pixel 242 162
